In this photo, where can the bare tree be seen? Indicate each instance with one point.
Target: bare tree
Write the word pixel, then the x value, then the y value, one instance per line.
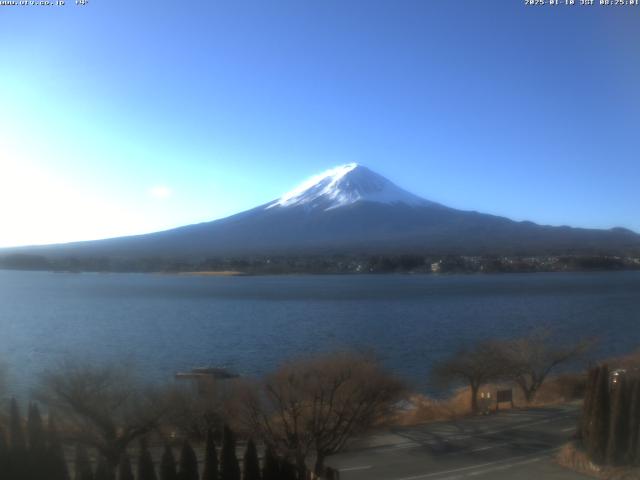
pixel 195 411
pixel 197 408
pixel 475 365
pixel 3 380
pixel 529 360
pixel 102 407
pixel 312 407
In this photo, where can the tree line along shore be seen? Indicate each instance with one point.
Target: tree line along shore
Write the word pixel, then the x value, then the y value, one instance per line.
pixel 327 264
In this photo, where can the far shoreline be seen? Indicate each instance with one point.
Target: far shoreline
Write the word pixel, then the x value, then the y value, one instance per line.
pixel 330 264
pixel 234 273
pixel 208 273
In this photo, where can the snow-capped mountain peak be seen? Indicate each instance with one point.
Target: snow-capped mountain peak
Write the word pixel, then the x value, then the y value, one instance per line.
pixel 345 185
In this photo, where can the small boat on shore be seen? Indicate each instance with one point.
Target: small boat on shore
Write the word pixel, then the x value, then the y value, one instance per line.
pixel 215 373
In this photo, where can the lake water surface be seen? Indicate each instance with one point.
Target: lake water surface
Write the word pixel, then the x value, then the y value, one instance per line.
pixel 168 323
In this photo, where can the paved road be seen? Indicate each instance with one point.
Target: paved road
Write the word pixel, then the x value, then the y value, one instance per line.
pixel 508 445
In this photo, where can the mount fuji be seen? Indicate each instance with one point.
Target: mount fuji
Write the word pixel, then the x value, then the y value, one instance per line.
pixel 353 210
pixel 346 185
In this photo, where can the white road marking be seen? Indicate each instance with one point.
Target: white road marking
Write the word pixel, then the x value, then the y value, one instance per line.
pixel 504 467
pixel 499 464
pixel 351 469
pixel 489 447
pixel 400 446
pixel 568 429
pixel 408 445
pixel 465 436
pixel 506 429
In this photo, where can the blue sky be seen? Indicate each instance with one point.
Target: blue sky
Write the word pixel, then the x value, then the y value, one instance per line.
pixel 125 117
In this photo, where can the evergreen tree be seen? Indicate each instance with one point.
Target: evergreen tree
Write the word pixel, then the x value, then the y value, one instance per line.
pixel 587 406
pixel 288 470
pixel 18 464
pixel 634 423
pixel 251 464
pixel 146 470
pixel 104 471
pixel 125 472
pixel 210 471
pixel 35 430
pixel 270 465
pixel 331 473
pixel 636 457
pixel 56 462
pixel 37 444
pixel 618 426
pixel 15 429
pixel 168 465
pixel 599 422
pixel 4 456
pixel 82 464
pixel 188 463
pixel 229 466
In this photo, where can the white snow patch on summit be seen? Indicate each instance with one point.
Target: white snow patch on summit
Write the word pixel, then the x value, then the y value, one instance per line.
pixel 345 185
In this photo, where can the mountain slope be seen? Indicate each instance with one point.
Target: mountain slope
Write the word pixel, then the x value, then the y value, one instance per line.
pixel 350 209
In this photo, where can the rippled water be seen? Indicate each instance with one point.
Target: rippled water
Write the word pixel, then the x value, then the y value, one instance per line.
pixel 167 323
